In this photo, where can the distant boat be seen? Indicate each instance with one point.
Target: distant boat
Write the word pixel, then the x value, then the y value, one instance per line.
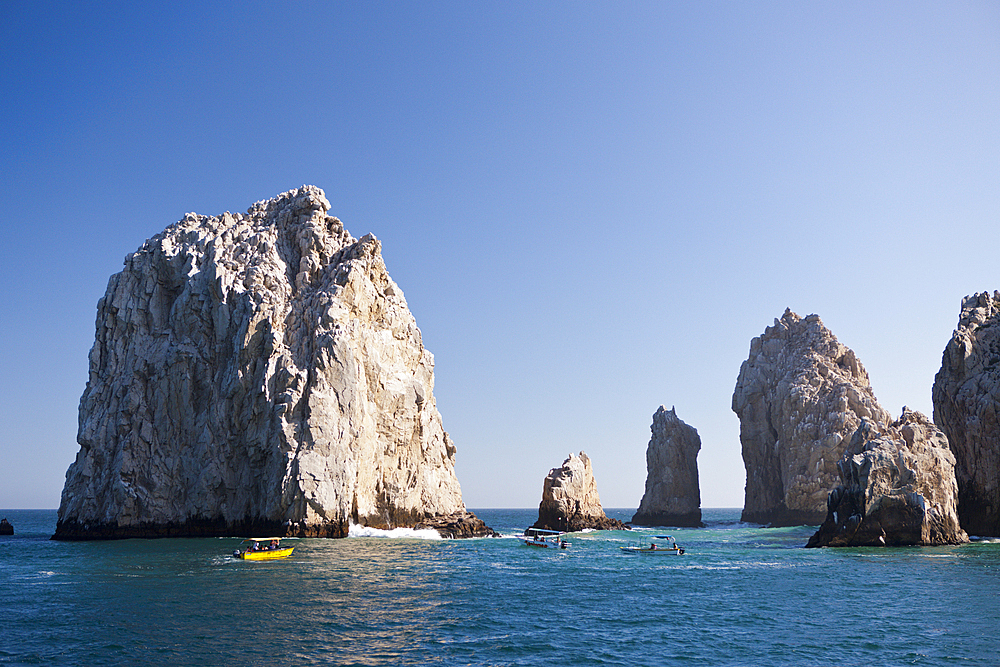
pixel 546 539
pixel 263 548
pixel 667 546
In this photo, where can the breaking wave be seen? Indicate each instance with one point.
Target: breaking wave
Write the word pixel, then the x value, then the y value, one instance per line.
pixel 394 533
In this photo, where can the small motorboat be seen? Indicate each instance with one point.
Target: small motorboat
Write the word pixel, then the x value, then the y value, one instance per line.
pixel 546 539
pixel 262 548
pixel 665 546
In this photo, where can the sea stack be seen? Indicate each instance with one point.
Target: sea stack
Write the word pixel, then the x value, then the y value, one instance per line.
pixel 966 398
pixel 259 374
pixel 672 496
pixel 897 488
pixel 800 396
pixel 570 501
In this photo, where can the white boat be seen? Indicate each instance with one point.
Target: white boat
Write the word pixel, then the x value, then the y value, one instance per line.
pixel 660 545
pixel 546 539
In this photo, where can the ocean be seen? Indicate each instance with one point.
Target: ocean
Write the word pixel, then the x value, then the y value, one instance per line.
pixel 740 595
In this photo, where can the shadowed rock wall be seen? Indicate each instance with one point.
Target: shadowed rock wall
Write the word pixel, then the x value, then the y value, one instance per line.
pixel 966 399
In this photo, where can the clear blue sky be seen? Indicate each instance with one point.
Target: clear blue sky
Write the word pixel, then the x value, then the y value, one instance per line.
pixel 591 207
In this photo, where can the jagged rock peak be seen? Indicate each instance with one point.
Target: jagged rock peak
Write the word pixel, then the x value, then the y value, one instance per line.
pixel 672 496
pixel 800 396
pixel 570 501
pixel 258 373
pixel 897 488
pixel 966 407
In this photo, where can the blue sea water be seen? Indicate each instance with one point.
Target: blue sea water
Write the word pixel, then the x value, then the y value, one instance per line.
pixel 741 595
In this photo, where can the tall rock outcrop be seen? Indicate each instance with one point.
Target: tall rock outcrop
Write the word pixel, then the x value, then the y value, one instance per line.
pixel 800 396
pixel 570 501
pixel 897 488
pixel 966 399
pixel 259 373
pixel 672 496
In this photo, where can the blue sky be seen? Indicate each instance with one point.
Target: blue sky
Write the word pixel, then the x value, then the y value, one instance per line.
pixel 592 208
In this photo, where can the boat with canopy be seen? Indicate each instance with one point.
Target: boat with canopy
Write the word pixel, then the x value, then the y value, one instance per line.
pixel 660 545
pixel 546 539
pixel 262 548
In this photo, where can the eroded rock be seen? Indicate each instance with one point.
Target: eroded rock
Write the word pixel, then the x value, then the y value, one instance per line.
pixel 800 396
pixel 570 501
pixel 966 399
pixel 253 374
pixel 672 496
pixel 898 488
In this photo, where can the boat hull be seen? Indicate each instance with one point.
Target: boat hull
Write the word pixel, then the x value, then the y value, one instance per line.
pixel 544 544
pixel 652 552
pixel 274 554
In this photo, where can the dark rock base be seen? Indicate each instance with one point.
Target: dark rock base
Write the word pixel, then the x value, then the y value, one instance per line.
pixel 6 528
pixel 783 517
pixel 575 524
pixel 688 520
pixel 460 524
pixel 73 530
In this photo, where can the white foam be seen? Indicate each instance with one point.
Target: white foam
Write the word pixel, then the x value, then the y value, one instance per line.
pixel 394 533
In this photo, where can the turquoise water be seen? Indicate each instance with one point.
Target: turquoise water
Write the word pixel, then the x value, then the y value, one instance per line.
pixel 741 595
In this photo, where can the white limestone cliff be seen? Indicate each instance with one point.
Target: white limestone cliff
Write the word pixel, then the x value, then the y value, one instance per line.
pixel 800 396
pixel 672 496
pixel 258 373
pixel 897 488
pixel 570 501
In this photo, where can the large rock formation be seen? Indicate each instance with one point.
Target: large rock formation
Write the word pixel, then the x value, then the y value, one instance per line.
pixel 672 496
pixel 800 396
pixel 966 399
pixel 570 501
pixel 898 488
pixel 258 373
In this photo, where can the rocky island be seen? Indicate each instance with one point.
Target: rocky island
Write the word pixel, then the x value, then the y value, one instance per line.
pixel 800 396
pixel 254 374
pixel 672 496
pixel 966 398
pixel 897 488
pixel 570 501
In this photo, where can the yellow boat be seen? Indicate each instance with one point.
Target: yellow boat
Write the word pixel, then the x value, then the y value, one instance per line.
pixel 263 548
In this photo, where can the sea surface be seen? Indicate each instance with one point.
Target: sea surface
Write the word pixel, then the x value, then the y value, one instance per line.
pixel 740 595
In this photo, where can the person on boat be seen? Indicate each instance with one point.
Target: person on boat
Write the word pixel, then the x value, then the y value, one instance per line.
pixel 274 544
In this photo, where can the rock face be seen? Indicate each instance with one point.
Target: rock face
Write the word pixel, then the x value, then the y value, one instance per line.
pixel 253 374
pixel 800 396
pixel 966 399
pixel 898 488
pixel 5 527
pixel 672 496
pixel 570 501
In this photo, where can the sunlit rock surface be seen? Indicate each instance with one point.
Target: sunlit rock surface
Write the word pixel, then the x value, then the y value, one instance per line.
pixel 966 399
pixel 672 496
pixel 259 373
pixel 570 501
pixel 897 488
pixel 800 396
